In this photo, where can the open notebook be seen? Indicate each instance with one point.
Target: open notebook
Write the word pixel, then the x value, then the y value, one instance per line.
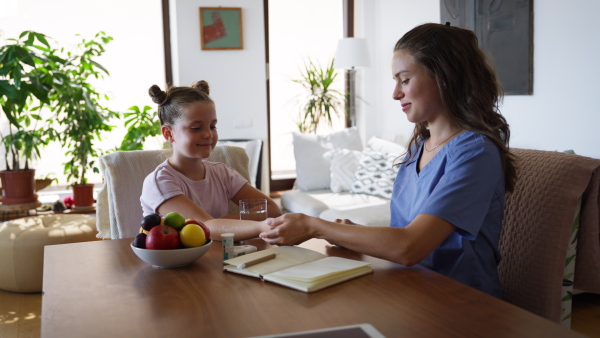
pixel 299 268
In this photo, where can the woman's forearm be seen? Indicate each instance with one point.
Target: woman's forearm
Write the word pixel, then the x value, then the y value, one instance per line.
pixel 406 246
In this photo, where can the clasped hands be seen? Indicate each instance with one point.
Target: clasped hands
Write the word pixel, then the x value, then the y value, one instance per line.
pixel 293 229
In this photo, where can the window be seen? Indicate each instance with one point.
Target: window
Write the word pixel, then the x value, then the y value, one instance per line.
pixel 298 30
pixel 135 57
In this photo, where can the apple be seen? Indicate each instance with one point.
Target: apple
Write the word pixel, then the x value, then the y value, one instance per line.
pixel 192 235
pixel 175 220
pixel 202 225
pixel 162 237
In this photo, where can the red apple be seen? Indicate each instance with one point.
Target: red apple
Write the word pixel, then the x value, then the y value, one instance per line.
pixel 162 237
pixel 202 225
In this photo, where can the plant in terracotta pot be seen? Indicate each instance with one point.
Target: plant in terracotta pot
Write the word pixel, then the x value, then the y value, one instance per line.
pixel 28 72
pixel 81 115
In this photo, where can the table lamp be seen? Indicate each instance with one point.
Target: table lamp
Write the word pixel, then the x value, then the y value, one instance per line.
pixel 351 53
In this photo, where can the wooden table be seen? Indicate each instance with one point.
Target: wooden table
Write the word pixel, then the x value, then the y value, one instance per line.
pixel 101 289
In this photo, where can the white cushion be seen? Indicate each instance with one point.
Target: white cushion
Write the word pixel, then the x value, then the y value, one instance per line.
pixel 385 146
pixel 312 169
pixel 374 215
pixel 343 165
pixel 375 174
pixel 348 138
pixel 313 203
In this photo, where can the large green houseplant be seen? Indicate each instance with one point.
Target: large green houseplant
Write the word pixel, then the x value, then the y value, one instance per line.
pixel 81 115
pixel 320 101
pixel 28 72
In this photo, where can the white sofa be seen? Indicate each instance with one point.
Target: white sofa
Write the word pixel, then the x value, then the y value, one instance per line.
pixel 338 177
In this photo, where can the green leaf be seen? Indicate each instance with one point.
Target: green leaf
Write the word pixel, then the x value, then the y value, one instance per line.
pixel 42 38
pixel 6 89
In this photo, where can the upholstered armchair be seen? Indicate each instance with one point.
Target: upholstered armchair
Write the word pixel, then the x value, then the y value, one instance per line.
pixel 118 207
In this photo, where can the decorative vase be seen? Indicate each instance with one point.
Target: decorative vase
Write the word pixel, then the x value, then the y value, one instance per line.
pixel 18 186
pixel 83 195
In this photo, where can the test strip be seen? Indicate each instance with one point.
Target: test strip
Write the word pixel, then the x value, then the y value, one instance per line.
pixel 256 261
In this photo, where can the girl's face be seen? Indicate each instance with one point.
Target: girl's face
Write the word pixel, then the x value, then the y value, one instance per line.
pixel 416 90
pixel 194 135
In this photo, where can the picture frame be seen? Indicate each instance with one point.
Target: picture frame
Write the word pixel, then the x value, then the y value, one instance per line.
pixel 221 28
pixel 504 29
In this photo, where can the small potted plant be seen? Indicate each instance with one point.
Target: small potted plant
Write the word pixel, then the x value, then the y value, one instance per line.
pixel 28 72
pixel 81 117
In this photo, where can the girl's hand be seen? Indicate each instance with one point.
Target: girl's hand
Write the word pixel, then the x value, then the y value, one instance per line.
pixel 344 221
pixel 287 229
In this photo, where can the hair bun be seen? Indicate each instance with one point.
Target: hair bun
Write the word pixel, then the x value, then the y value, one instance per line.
pixel 202 86
pixel 158 96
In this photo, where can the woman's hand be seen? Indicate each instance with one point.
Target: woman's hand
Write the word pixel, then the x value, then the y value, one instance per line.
pixel 288 229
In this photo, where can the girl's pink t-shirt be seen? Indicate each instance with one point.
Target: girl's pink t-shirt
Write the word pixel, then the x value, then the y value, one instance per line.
pixel 212 194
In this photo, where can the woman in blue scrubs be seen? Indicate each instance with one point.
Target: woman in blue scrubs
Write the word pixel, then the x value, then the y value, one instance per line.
pixel 448 199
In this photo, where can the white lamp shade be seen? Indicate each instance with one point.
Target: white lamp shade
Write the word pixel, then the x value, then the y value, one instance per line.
pixel 351 52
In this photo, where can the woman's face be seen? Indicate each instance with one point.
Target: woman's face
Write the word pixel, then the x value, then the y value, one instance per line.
pixel 416 90
pixel 195 134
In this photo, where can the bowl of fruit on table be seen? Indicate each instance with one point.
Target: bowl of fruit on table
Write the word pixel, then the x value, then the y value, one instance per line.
pixel 172 241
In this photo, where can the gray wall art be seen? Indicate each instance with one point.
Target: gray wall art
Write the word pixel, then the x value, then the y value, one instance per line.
pixel 504 29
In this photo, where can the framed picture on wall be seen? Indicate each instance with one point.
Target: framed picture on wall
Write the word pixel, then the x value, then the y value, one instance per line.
pixel 221 28
pixel 505 30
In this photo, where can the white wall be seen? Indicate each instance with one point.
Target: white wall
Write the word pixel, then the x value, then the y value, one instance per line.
pixel 237 78
pixel 561 114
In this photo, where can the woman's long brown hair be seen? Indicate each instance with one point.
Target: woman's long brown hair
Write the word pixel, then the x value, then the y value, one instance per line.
pixel 467 84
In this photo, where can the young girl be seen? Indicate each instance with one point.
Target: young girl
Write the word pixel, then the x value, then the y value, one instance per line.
pixel 186 183
pixel 448 199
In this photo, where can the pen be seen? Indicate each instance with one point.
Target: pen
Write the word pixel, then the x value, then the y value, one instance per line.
pixel 256 261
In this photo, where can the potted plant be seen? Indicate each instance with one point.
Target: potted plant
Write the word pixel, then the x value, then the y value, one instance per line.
pixel 28 71
pixel 320 101
pixel 81 116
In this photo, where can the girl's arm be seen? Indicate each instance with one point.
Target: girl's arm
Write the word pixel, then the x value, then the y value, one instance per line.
pixel 407 246
pixel 242 229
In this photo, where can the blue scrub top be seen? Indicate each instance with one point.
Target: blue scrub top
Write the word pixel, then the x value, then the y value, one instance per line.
pixel 464 185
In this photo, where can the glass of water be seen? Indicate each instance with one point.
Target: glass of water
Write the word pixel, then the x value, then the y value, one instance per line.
pixel 253 209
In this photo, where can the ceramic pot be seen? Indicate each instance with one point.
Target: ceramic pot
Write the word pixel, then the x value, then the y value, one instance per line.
pixel 18 187
pixel 83 195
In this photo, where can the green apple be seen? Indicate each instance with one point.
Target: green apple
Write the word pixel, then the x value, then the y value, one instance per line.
pixel 175 220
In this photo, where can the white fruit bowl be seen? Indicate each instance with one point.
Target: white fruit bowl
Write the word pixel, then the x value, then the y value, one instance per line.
pixel 171 258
